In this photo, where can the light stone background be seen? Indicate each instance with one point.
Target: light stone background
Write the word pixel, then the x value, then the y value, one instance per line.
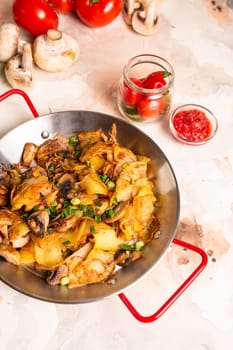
pixel 197 38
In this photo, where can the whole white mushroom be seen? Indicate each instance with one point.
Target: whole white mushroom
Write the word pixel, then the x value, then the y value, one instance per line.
pixel 55 51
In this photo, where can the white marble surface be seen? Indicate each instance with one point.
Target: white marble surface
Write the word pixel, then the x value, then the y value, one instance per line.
pixel 197 39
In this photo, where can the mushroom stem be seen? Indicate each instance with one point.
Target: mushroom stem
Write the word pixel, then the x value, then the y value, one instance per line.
pixel 19 69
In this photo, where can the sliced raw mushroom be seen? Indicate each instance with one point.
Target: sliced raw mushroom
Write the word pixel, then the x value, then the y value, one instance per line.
pixel 9 39
pixel 19 69
pixel 55 51
pixel 142 15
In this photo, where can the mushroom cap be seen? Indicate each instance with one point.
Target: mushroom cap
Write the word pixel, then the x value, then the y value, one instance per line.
pixel 55 52
pixel 9 38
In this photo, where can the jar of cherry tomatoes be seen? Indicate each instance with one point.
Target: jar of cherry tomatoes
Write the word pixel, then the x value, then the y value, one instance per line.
pixel 145 89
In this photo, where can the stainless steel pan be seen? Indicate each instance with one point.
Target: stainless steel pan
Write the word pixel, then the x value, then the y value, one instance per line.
pixel 68 123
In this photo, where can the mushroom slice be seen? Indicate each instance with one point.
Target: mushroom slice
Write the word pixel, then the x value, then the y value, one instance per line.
pixel 19 69
pixel 56 51
pixel 49 147
pixel 119 211
pixel 4 196
pixel 29 153
pixel 65 183
pixel 9 39
pixel 80 253
pixel 125 258
pixel 55 276
pixel 10 254
pixel 38 222
pixel 63 225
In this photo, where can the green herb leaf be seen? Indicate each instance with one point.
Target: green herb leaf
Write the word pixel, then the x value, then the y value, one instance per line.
pixel 165 73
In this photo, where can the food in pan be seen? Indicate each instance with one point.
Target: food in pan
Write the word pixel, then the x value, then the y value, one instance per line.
pixel 77 208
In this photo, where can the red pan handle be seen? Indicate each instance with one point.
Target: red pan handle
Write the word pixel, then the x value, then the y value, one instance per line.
pixel 177 293
pixel 24 95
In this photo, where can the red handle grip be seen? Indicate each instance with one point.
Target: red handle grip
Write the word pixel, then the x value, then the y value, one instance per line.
pixel 24 95
pixel 177 293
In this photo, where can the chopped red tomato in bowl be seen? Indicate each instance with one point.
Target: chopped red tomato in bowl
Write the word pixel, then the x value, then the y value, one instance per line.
pixel 193 124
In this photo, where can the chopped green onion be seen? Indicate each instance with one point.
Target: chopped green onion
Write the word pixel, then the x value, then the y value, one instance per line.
pixel 92 228
pixel 75 201
pixel 77 154
pixel 64 281
pixel 127 247
pixel 66 242
pixel 98 218
pixel 25 216
pixel 51 168
pixel 110 213
pixel 69 211
pixel 124 165
pixel 73 141
pixel 98 204
pixel 111 185
pixel 115 201
pixel 139 245
pixel 66 203
pixel 49 230
pixel 88 163
pixel 104 178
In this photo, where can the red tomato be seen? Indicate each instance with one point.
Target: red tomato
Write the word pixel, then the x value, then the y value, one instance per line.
pixel 150 108
pixel 64 6
pixel 98 13
pixel 36 16
pixel 155 80
pixel 131 96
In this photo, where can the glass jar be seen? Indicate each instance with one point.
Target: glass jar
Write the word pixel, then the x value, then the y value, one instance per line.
pixel 145 89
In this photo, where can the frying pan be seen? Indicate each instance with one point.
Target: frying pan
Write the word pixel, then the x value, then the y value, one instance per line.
pixel 68 123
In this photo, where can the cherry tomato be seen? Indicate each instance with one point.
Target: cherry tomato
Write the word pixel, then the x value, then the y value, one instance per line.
pixel 36 16
pixel 131 96
pixel 98 13
pixel 63 6
pixel 155 80
pixel 151 108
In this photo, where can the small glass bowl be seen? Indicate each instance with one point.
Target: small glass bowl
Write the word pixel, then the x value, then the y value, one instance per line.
pixel 139 103
pixel 193 124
